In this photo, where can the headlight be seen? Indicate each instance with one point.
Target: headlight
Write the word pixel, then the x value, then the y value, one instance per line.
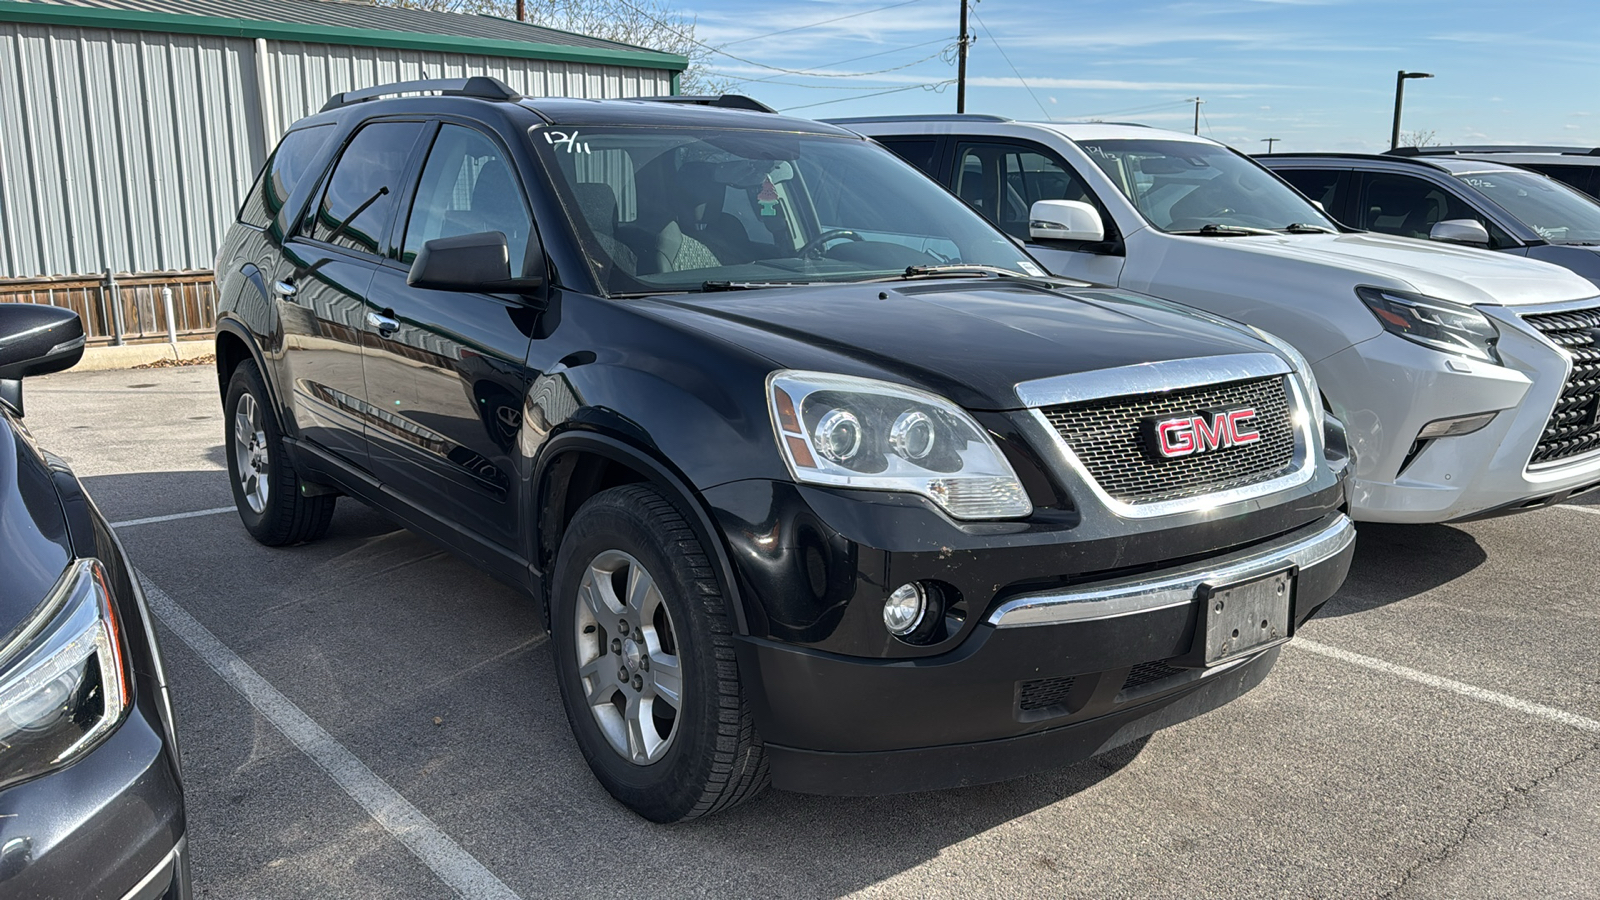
pixel 1303 368
pixel 64 681
pixel 1435 323
pixel 861 433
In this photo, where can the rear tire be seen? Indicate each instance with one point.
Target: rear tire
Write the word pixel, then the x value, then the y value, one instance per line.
pixel 639 621
pixel 266 488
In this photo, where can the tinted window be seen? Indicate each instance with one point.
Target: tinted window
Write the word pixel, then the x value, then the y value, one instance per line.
pixel 1552 210
pixel 1410 207
pixel 920 152
pixel 468 187
pixel 1583 178
pixel 289 163
pixel 359 200
pixel 1320 185
pixel 1004 181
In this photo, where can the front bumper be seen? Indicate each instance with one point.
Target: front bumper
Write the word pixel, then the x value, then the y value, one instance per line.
pixel 1045 680
pixel 110 826
pixel 1386 389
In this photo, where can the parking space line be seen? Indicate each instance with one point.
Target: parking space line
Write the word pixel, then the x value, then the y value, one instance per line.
pixel 454 866
pixel 172 518
pixel 1591 510
pixel 1539 710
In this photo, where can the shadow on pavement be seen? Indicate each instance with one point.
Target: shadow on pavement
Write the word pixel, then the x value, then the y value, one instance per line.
pixel 1397 562
pixel 440 680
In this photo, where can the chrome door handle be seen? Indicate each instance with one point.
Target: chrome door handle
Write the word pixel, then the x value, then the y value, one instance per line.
pixel 284 288
pixel 384 324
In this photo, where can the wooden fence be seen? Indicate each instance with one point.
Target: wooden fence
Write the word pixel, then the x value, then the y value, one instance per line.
pixel 126 309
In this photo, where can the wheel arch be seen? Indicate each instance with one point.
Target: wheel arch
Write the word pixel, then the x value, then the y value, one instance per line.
pixel 576 465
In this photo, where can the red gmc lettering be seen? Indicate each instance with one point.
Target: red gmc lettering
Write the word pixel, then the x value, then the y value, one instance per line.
pixel 1199 434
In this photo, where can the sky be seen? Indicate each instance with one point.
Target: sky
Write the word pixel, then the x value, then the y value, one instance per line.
pixel 1317 74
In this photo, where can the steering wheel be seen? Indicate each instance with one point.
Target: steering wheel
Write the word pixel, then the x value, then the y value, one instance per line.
pixel 814 247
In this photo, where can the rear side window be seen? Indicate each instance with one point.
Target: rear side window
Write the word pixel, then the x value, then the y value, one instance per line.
pixel 468 187
pixel 358 202
pixel 1321 185
pixel 288 165
pixel 920 152
pixel 1583 178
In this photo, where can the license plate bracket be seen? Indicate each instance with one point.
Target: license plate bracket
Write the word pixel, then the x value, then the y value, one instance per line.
pixel 1246 615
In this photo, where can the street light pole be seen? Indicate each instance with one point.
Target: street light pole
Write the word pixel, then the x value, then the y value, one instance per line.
pixel 1269 142
pixel 1399 98
pixel 961 64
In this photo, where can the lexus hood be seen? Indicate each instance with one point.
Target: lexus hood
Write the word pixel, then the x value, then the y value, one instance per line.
pixel 969 340
pixel 1462 274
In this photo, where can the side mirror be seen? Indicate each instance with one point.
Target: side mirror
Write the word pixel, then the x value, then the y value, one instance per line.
pixel 1065 220
pixel 35 340
pixel 467 262
pixel 1460 231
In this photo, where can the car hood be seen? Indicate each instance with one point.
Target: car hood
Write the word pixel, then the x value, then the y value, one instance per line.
pixel 34 548
pixel 1462 274
pixel 971 342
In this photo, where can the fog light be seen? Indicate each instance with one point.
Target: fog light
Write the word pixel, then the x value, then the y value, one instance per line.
pixel 904 609
pixel 1455 427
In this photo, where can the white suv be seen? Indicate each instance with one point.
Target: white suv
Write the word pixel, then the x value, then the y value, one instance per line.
pixel 1470 381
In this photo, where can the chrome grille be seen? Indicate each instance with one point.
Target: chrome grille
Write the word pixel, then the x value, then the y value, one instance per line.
pixel 1573 429
pixel 1108 438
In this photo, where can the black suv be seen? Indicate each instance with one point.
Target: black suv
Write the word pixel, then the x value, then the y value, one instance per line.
pixel 817 478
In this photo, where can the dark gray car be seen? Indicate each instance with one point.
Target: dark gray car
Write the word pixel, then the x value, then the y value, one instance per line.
pixel 1455 200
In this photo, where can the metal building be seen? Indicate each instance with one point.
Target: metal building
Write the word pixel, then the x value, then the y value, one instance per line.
pixel 130 129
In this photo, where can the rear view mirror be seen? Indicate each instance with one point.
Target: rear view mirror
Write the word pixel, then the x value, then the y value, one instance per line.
pixel 467 262
pixel 1065 220
pixel 1460 231
pixel 35 340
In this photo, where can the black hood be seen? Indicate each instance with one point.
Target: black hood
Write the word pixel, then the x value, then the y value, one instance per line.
pixel 34 548
pixel 971 342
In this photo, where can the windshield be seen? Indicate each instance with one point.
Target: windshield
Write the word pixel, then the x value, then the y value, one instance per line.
pixel 1559 214
pixel 691 209
pixel 1185 186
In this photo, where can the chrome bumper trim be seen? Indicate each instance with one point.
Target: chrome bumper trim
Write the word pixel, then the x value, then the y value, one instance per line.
pixel 1172 587
pixel 160 878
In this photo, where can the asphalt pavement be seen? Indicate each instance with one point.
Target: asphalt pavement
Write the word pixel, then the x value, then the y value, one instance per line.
pixel 369 717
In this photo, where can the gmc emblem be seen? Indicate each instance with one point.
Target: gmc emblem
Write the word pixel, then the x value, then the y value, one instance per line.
pixel 1201 433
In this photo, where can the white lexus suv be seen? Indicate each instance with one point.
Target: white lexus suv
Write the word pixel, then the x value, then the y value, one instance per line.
pixel 1469 380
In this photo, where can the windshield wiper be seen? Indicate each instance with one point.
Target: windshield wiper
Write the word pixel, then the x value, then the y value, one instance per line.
pixel 1216 228
pixel 954 269
pixel 712 287
pixel 1307 228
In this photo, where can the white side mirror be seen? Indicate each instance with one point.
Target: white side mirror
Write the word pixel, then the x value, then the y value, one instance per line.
pixel 1065 220
pixel 1460 231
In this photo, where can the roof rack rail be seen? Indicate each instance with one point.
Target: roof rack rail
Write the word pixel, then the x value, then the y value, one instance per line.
pixel 481 86
pixel 1453 149
pixel 723 101
pixel 936 117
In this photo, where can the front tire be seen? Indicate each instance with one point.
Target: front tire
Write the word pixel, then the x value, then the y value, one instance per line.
pixel 645 661
pixel 266 488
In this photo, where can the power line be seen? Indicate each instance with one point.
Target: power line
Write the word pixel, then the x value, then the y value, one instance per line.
pixel 840 62
pixel 1012 65
pixel 931 86
pixel 749 62
pixel 817 74
pixel 823 22
pixel 1131 110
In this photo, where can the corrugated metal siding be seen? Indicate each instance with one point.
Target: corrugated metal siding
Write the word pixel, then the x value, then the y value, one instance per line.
pixel 130 150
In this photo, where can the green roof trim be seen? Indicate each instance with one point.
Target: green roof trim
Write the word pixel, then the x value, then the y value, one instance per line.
pixel 127 20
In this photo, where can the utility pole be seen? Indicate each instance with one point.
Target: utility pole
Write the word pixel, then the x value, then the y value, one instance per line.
pixel 1269 142
pixel 1399 98
pixel 961 63
pixel 522 10
pixel 1196 101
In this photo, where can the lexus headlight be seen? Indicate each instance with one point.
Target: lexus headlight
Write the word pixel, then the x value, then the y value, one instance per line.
pixel 861 433
pixel 1301 367
pixel 1435 323
pixel 64 679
